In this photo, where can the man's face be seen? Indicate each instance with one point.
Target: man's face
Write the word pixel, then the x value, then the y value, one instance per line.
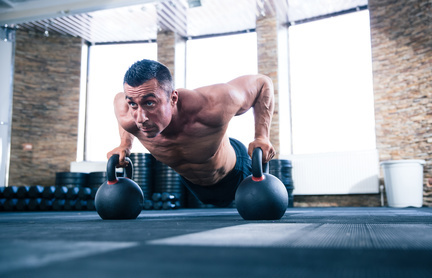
pixel 150 107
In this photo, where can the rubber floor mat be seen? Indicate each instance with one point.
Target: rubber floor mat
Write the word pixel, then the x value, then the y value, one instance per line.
pixel 371 236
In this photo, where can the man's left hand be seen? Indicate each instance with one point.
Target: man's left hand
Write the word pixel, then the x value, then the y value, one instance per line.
pixel 265 145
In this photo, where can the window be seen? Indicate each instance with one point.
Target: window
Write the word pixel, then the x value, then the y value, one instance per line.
pixel 331 85
pixel 219 60
pixel 6 71
pixel 107 66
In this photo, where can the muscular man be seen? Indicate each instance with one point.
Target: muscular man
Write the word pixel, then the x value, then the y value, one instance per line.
pixel 186 129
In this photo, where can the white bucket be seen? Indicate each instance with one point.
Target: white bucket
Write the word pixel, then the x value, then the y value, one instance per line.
pixel 403 182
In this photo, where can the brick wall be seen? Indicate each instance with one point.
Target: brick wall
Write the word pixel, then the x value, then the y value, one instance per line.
pixel 45 107
pixel 46 94
pixel 171 53
pixel 166 49
pixel 401 34
pixel 267 43
pixel 360 200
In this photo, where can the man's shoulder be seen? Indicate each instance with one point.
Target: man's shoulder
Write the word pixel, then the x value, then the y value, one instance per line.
pixel 216 93
pixel 205 98
pixel 210 106
pixel 206 90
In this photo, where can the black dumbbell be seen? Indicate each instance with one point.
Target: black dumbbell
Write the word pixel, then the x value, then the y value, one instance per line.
pixel 72 193
pixel 148 204
pixel 166 196
pixel 22 204
pixel 48 192
pixel 70 204
pixel 10 192
pixel 170 205
pixel 81 205
pixel 91 205
pixel 22 192
pixel 60 192
pixel 156 197
pixel 58 204
pixel 35 191
pixel 34 204
pixel 46 204
pixel 158 205
pixel 10 204
pixel 87 193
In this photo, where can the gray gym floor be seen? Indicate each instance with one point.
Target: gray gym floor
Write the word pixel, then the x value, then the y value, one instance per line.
pixel 306 242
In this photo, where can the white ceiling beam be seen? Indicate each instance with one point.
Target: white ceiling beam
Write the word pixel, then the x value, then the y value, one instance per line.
pixel 45 9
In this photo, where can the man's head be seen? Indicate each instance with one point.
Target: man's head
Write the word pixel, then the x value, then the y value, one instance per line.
pixel 150 96
pixel 145 70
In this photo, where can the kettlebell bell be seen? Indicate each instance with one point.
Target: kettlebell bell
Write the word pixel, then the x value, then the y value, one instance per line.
pixel 119 198
pixel 261 196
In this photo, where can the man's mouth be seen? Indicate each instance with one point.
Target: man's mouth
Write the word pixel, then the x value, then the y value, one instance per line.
pixel 146 128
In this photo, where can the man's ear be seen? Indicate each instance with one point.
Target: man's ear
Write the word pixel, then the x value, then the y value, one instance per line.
pixel 174 97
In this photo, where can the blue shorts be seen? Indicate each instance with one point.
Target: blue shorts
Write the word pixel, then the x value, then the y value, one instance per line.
pixel 222 193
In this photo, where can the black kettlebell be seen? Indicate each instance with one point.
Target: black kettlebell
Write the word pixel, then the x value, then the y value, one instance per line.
pixel 261 196
pixel 119 198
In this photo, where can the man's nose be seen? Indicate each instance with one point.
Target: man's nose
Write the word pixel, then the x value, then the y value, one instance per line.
pixel 141 116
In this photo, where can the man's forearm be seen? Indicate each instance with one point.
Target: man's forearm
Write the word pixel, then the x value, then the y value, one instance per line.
pixel 263 108
pixel 125 147
pixel 126 138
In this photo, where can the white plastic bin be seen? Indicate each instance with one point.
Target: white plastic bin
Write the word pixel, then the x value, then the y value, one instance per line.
pixel 403 182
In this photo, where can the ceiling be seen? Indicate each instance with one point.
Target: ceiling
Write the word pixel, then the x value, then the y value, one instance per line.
pixel 114 21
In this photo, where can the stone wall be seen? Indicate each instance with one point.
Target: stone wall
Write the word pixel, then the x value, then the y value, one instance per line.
pixel 401 34
pixel 45 107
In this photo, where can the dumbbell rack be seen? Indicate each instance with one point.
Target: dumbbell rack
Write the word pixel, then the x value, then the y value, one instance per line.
pixel 160 184
pixel 76 191
pixel 163 201
pixel 62 198
pixel 46 198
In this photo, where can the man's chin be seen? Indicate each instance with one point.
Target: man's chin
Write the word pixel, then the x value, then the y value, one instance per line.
pixel 150 134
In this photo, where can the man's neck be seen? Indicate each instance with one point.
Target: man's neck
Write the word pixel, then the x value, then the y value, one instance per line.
pixel 175 126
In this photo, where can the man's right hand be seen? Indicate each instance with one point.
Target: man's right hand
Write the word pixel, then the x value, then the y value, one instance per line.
pixel 123 152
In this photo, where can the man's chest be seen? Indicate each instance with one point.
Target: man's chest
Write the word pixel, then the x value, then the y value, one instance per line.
pixel 184 149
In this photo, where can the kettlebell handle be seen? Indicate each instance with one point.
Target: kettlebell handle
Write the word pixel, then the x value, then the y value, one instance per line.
pixel 257 166
pixel 113 161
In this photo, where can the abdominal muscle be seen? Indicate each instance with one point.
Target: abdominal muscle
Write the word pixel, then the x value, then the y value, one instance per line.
pixel 203 161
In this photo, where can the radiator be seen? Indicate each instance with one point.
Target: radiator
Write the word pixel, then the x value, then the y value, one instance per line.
pixel 335 173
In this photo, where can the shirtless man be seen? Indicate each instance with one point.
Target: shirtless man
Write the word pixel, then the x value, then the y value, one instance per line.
pixel 186 129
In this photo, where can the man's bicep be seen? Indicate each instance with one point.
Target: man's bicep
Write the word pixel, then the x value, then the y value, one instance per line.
pixel 244 91
pixel 121 110
pixel 121 107
pixel 252 88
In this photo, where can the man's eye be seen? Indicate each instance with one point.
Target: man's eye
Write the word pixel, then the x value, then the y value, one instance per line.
pixel 149 103
pixel 132 104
